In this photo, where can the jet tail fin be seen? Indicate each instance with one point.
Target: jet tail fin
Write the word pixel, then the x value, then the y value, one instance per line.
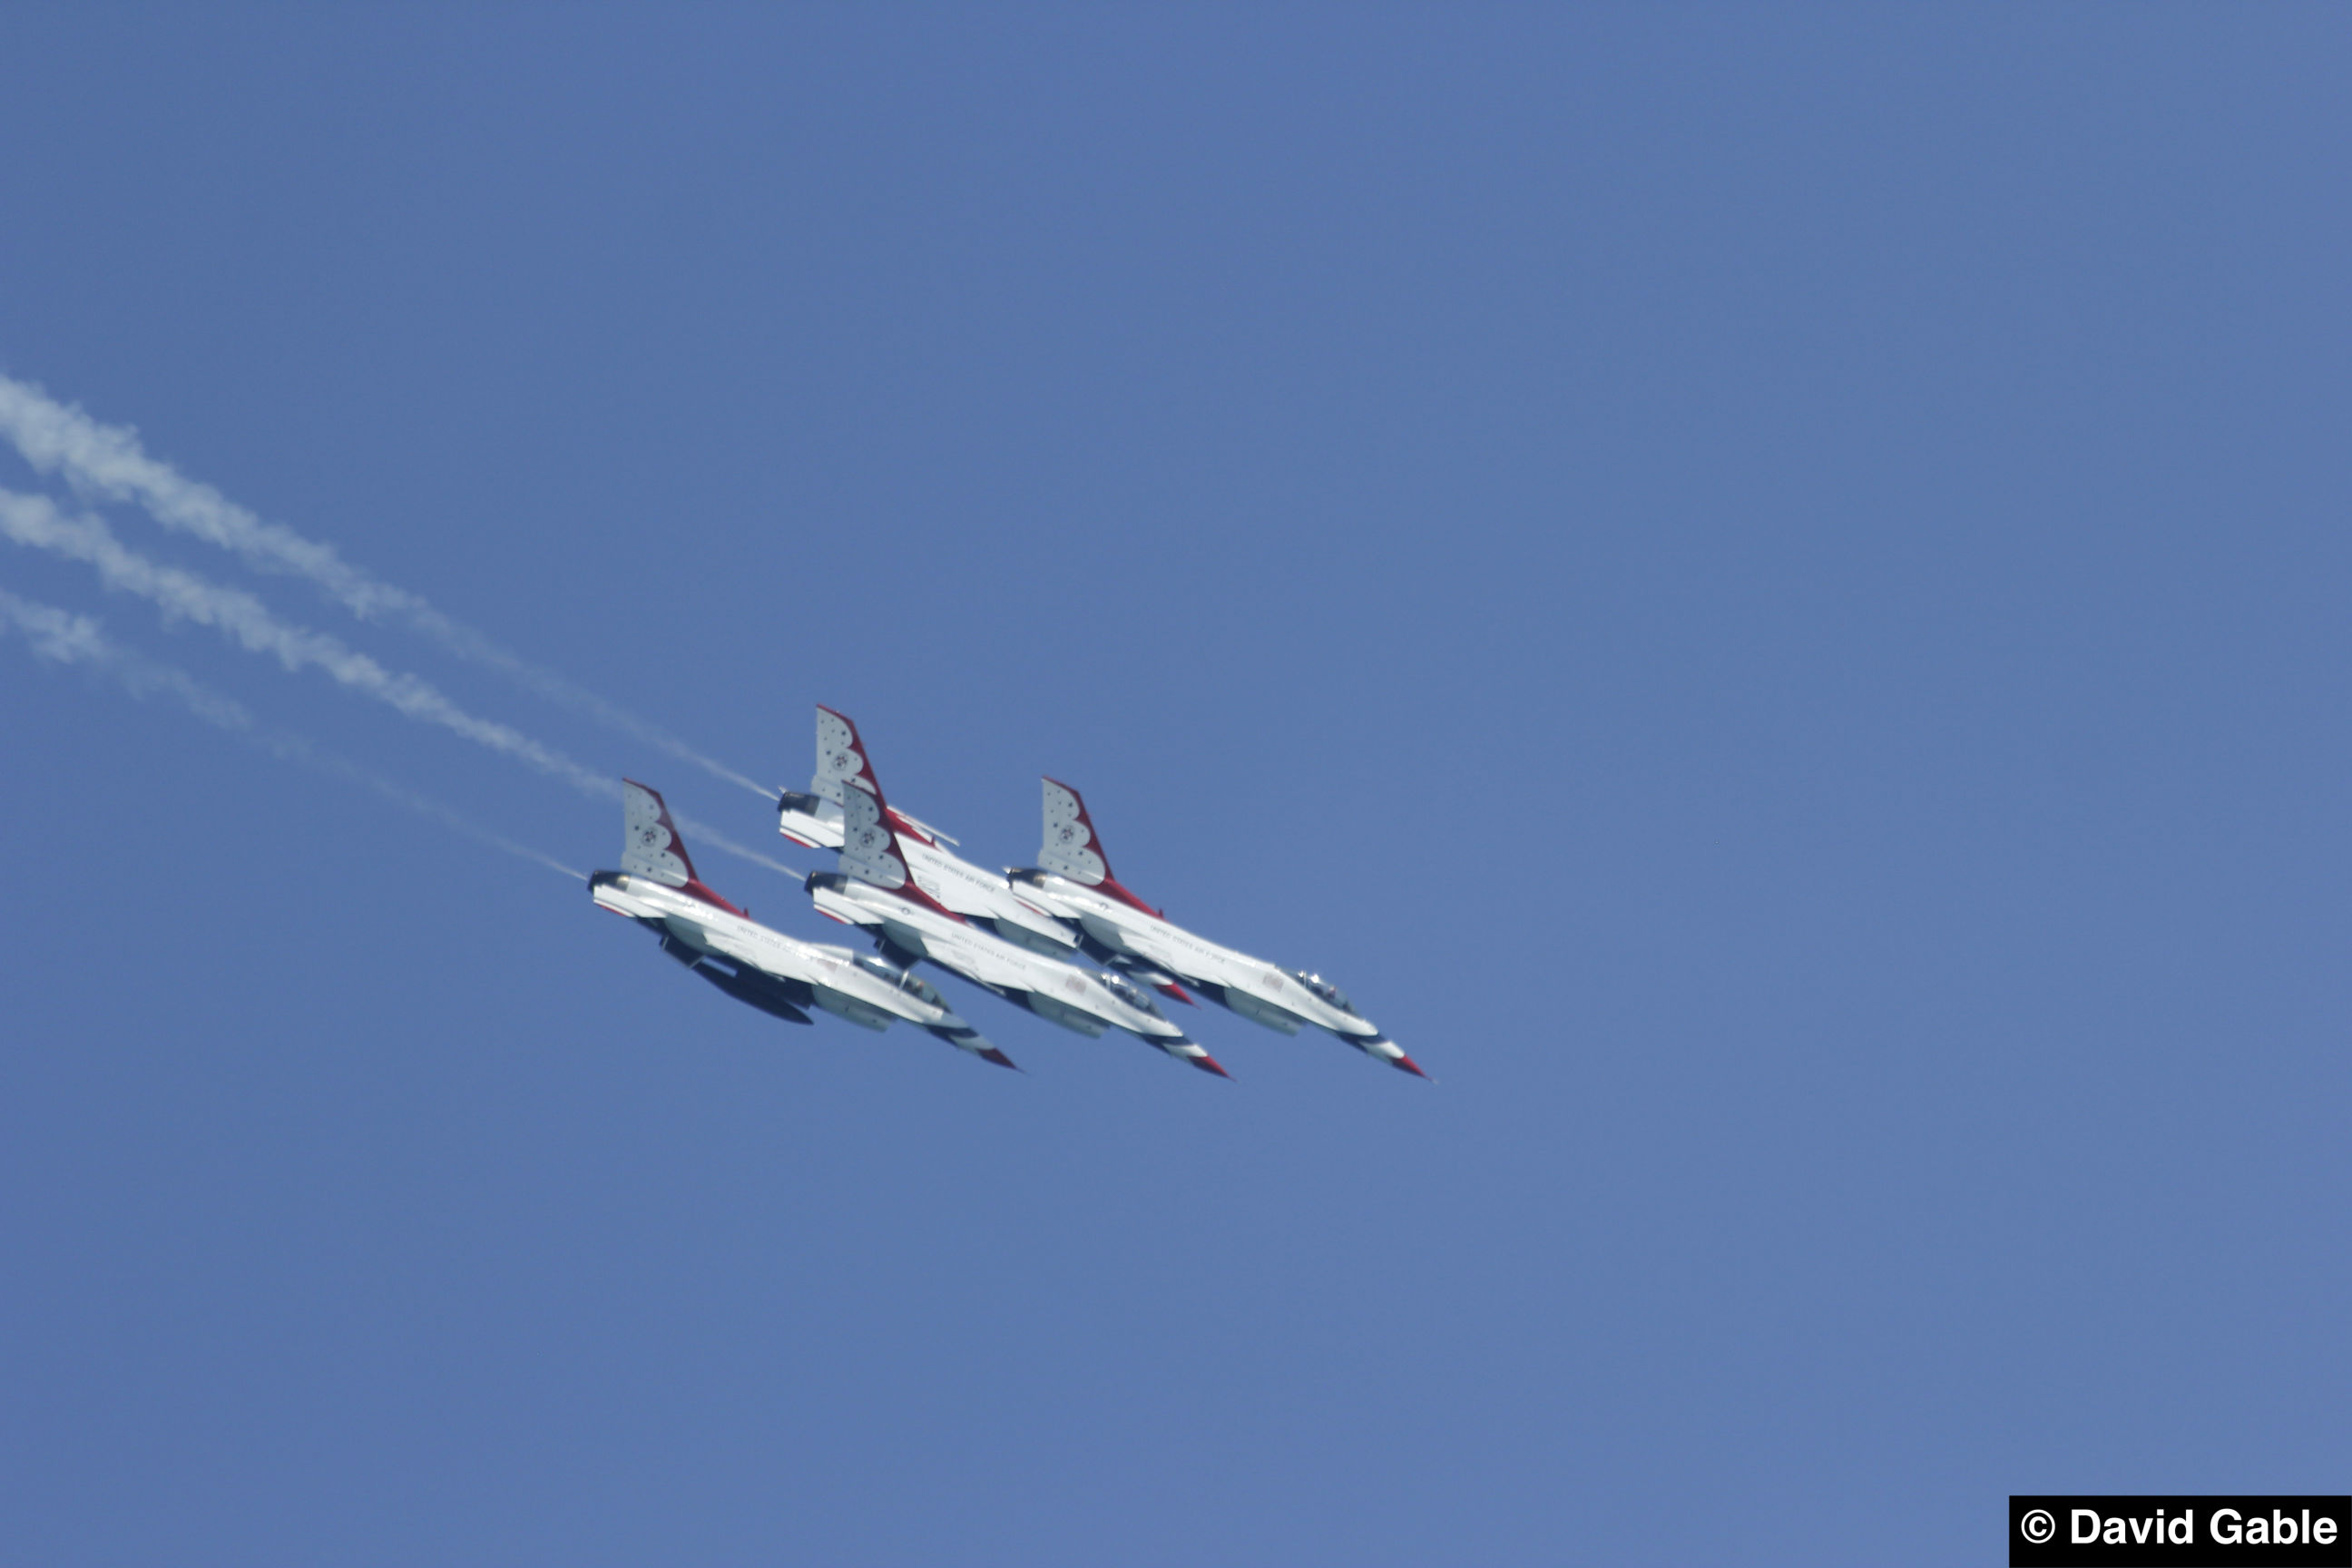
pixel 870 851
pixel 1071 848
pixel 1074 849
pixel 652 848
pixel 841 762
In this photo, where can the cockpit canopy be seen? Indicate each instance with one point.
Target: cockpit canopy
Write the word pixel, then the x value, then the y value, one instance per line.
pixel 1325 989
pixel 912 984
pixel 1127 991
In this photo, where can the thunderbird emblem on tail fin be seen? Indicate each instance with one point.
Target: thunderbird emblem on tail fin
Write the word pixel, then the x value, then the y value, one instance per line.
pixel 840 758
pixel 1071 847
pixel 1073 881
pixel 781 976
pixel 869 849
pixel 651 846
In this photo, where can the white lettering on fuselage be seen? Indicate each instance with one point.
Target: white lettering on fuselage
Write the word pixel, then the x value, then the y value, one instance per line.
pixel 1196 958
pixel 783 957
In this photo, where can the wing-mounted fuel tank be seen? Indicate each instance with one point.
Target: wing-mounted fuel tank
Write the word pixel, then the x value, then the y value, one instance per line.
pixel 777 999
pixel 841 1005
pixel 750 986
pixel 1043 938
pixel 1256 1010
pixel 1072 1018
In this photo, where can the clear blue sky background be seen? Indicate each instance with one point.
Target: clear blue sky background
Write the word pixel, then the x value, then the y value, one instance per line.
pixel 1766 588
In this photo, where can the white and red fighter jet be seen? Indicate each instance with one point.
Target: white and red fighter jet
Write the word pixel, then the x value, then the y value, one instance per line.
pixel 1073 882
pixel 981 897
pixel 875 890
pixel 780 975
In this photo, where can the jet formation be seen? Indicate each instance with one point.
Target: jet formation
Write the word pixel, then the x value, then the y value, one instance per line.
pixel 1064 940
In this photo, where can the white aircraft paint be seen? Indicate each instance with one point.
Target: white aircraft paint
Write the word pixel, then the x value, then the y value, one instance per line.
pixel 1073 882
pixel 979 895
pixel 875 889
pixel 779 974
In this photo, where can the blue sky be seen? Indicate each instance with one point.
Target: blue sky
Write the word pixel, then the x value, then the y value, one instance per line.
pixel 1765 588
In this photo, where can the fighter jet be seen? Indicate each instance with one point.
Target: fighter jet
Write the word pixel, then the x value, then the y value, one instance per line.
pixel 780 975
pixel 875 890
pixel 1073 882
pixel 981 897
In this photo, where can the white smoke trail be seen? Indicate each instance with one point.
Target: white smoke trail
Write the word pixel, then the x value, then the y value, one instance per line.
pixel 245 620
pixel 107 461
pixel 34 520
pixel 64 639
pixel 294 749
pixel 703 833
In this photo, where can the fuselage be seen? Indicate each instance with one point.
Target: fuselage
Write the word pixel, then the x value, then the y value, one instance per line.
pixel 851 985
pixel 1083 1000
pixel 1259 990
pixel 973 891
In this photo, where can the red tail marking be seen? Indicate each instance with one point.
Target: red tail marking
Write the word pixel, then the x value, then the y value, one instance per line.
pixel 1110 883
pixel 865 769
pixel 1119 889
pixel 909 890
pixel 902 824
pixel 695 886
pixel 1094 839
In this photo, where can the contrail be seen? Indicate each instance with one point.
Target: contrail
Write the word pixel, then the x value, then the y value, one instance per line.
pixel 294 749
pixel 34 520
pixel 705 834
pixel 64 639
pixel 243 619
pixel 107 461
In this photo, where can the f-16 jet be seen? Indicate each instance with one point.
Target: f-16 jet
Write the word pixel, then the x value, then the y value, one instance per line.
pixel 1073 882
pixel 981 897
pixel 875 890
pixel 780 975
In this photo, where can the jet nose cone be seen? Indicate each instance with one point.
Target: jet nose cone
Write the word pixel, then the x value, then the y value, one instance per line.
pixel 999 1057
pixel 1407 1064
pixel 1207 1063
